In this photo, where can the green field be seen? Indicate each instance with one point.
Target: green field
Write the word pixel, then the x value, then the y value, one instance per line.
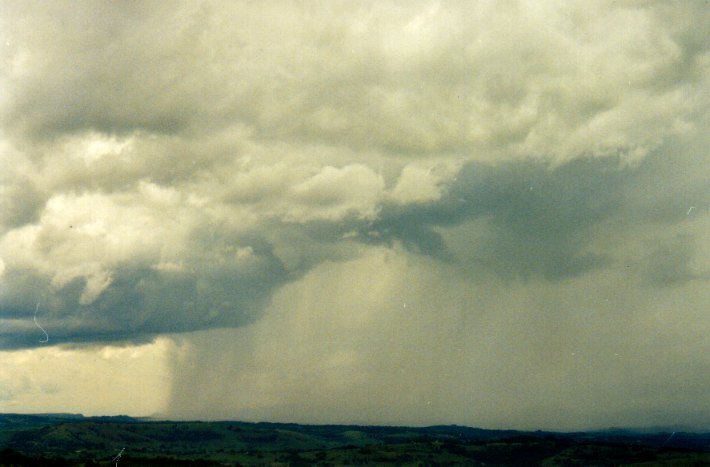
pixel 77 441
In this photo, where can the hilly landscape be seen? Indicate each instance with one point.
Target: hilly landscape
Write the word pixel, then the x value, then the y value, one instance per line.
pixel 75 440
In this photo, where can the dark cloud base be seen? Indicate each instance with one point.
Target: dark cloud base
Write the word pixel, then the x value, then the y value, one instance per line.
pixel 497 208
pixel 535 222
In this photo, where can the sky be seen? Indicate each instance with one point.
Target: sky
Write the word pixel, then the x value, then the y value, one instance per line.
pixel 490 213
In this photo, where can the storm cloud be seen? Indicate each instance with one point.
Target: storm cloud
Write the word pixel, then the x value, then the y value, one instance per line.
pixel 222 173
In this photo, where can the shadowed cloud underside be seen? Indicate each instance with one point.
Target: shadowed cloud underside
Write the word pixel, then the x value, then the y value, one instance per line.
pixel 438 212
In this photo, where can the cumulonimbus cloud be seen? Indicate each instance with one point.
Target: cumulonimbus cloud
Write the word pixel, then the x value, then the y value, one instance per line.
pixel 166 169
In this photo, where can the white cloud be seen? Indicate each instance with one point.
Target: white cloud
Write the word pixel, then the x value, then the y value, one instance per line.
pixel 332 194
pixel 421 185
pixel 95 284
pixel 82 235
pixel 175 167
pixel 486 80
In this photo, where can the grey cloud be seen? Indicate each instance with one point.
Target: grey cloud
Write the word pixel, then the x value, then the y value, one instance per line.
pixel 528 219
pixel 98 66
pixel 417 80
pixel 19 204
pixel 671 186
pixel 516 220
pixel 541 217
pixel 375 196
pixel 538 217
pixel 116 266
pixel 142 301
pixel 670 264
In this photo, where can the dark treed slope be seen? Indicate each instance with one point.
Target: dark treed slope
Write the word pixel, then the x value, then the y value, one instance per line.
pixel 56 439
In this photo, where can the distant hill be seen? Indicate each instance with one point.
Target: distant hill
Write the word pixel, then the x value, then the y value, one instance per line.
pixel 69 439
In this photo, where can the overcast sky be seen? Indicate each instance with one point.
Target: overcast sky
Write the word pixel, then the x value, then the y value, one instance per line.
pixel 486 213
